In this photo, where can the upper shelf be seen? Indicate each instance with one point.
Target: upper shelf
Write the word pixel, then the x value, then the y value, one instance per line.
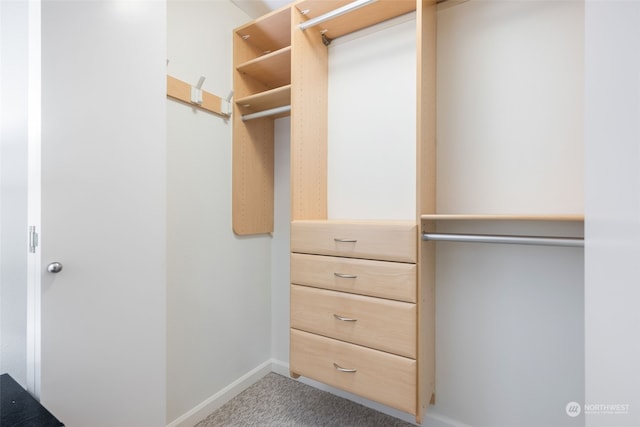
pixel 500 217
pixel 366 16
pixel 270 32
pixel 273 98
pixel 272 69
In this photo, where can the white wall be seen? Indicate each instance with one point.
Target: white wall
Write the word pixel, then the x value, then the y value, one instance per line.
pixel 509 343
pixel 372 151
pixel 510 107
pixel 612 127
pixel 280 277
pixel 13 188
pixel 218 298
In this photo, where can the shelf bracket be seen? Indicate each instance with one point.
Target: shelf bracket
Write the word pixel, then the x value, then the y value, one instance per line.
pixel 325 40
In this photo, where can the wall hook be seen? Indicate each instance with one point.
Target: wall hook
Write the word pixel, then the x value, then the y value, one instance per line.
pixel 225 104
pixel 196 91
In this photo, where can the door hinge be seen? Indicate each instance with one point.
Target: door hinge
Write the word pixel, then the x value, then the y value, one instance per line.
pixel 33 239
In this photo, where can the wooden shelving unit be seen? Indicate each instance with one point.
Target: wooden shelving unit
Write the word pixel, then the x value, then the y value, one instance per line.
pixel 261 81
pixel 350 244
pixel 274 69
pixel 277 64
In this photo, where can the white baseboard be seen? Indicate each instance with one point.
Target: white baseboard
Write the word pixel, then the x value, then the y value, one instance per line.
pixel 200 412
pixel 280 367
pixel 431 419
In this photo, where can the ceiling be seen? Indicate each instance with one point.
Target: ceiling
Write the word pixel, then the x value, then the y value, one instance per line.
pixel 256 8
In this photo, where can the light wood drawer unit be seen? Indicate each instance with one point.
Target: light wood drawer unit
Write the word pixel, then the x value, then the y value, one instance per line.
pixel 384 377
pixel 372 322
pixel 393 280
pixel 353 303
pixel 387 241
pixel 377 271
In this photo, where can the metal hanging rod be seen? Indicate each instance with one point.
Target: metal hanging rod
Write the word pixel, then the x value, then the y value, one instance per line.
pixel 516 240
pixel 265 113
pixel 334 13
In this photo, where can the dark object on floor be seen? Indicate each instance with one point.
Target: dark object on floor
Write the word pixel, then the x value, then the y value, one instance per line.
pixel 19 409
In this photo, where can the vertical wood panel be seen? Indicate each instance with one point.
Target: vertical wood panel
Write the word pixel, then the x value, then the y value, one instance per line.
pixel 309 59
pixel 253 145
pixel 426 187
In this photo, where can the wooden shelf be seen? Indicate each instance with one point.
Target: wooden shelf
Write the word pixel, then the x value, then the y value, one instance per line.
pixel 269 33
pixel 501 217
pixel 273 98
pixel 364 17
pixel 273 69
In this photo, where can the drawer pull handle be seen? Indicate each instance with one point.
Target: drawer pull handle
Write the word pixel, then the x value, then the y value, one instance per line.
pixel 341 369
pixel 345 276
pixel 345 319
pixel 345 240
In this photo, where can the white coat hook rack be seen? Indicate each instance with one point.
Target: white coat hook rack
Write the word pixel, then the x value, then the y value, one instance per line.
pixel 196 96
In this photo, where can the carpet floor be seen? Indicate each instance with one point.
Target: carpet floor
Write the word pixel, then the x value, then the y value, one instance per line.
pixel 277 401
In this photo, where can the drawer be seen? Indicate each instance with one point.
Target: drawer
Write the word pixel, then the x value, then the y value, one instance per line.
pixel 372 322
pixel 381 240
pixel 393 280
pixel 379 376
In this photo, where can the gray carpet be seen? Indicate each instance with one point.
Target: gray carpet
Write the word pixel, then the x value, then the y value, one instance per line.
pixel 279 401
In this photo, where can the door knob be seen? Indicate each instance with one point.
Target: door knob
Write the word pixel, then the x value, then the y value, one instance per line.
pixel 54 267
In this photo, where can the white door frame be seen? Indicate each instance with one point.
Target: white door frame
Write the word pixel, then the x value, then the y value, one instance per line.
pixel 34 202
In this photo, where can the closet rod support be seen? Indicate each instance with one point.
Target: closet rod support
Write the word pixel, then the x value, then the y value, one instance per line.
pixel 516 240
pixel 266 113
pixel 334 13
